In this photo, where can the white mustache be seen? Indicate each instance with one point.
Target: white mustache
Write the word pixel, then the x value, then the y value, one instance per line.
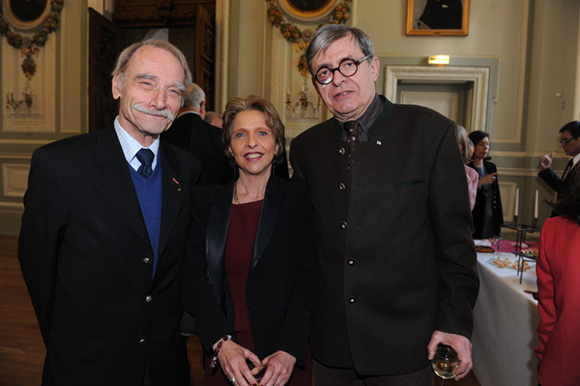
pixel 162 113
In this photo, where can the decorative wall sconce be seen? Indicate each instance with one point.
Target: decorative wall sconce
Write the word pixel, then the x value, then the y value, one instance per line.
pixel 303 108
pixel 441 60
pixel 12 105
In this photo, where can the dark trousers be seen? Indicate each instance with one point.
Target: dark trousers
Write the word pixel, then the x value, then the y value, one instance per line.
pixel 147 377
pixel 330 376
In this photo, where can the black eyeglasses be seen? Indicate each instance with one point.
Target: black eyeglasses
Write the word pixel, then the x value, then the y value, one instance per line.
pixel 347 67
pixel 565 141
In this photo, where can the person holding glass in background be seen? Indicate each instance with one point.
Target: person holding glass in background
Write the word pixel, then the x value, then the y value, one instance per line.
pixel 558 269
pixel 570 143
pixel 487 212
pixel 255 237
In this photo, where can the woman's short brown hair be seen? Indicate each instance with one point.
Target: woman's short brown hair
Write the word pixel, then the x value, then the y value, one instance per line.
pixel 253 102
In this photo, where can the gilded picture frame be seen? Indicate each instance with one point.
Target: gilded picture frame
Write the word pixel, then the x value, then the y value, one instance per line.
pixel 446 17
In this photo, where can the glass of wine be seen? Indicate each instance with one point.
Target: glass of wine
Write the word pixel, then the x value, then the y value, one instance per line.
pixel 445 362
pixel 495 243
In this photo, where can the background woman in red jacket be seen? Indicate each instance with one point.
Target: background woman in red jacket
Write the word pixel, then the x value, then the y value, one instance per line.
pixel 558 269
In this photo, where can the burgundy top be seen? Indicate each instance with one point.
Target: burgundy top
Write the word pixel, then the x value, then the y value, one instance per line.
pixel 240 241
pixel 244 219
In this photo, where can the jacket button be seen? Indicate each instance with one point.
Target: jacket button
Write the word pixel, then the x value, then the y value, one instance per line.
pixel 148 299
pixel 141 340
pixel 350 261
pixel 351 299
pixel 146 260
pixel 343 225
pixel 341 151
pixel 341 186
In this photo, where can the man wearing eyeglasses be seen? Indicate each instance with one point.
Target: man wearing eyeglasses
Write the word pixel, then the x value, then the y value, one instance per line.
pixel 393 223
pixel 569 134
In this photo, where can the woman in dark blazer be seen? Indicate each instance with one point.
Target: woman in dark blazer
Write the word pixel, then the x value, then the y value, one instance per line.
pixel 487 212
pixel 256 235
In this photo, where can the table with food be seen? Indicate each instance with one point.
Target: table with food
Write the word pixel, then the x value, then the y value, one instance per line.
pixel 506 314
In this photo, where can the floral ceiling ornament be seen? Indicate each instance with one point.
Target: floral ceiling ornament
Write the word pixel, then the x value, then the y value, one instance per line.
pixel 301 39
pixel 30 46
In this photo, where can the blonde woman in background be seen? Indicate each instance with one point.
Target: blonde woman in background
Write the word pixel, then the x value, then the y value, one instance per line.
pixel 466 150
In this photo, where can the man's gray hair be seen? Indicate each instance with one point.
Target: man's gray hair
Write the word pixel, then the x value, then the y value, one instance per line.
pixel 193 96
pixel 330 33
pixel 128 53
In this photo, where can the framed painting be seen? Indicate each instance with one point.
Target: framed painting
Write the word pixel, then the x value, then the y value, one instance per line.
pixel 438 17
pixel 308 11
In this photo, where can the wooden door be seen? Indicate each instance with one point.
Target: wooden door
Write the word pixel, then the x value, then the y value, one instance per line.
pixel 204 72
pixel 190 26
pixel 104 47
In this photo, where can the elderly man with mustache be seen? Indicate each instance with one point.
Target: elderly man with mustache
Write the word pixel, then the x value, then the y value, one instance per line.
pixel 105 226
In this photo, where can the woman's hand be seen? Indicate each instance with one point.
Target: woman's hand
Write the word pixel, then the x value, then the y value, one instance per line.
pixel 488 179
pixel 232 358
pixel 280 367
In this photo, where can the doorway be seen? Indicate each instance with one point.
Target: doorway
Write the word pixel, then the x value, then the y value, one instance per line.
pixel 190 27
pixel 448 98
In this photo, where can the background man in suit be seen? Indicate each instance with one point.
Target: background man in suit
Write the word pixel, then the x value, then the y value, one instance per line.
pixel 397 262
pixel 204 141
pixel 214 119
pixel 105 226
pixel 569 134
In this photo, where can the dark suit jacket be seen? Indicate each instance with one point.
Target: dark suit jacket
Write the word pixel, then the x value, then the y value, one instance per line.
pixel 395 252
pixel 480 203
pixel 87 261
pixel 282 280
pixel 561 186
pixel 204 141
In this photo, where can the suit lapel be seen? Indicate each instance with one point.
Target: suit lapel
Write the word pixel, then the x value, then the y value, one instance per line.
pixel 115 184
pixel 172 192
pixel 217 228
pixel 218 224
pixel 268 217
pixel 569 166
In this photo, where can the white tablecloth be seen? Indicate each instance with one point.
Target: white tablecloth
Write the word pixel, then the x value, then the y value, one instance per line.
pixel 505 322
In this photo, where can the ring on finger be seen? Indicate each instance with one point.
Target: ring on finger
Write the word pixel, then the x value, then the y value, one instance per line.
pixel 233 379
